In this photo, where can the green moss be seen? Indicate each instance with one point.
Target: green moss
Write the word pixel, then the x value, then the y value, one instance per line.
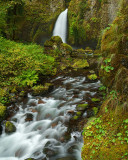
pixel 9 127
pixel 95 100
pixel 66 49
pixel 81 107
pixel 92 77
pixel 40 89
pixel 75 117
pixel 95 110
pixel 2 111
pixel 80 63
pixel 106 136
pixel 78 113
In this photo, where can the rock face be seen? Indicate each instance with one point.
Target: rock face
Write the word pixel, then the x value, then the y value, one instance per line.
pixel 87 18
pixel 114 48
pixel 31 20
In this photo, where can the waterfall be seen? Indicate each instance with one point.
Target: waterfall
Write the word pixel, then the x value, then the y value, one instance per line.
pixel 60 28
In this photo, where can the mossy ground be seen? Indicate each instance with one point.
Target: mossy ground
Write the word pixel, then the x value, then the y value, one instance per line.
pixel 21 66
pixel 106 137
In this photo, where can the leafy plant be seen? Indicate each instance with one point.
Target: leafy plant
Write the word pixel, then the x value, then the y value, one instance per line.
pixel 107 67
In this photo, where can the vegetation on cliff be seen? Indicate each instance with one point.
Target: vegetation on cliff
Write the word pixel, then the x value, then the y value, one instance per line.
pixel 106 137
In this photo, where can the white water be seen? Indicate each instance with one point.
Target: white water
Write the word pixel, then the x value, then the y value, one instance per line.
pixel 60 28
pixel 48 125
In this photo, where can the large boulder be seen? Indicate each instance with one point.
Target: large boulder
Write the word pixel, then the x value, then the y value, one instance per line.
pixel 9 127
pixel 52 46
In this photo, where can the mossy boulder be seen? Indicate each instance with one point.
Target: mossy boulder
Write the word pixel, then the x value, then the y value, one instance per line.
pixel 66 49
pixel 52 46
pixel 88 50
pixel 80 53
pixel 9 127
pixel 42 89
pixel 81 107
pixel 3 110
pixel 92 77
pixel 80 63
pixel 54 40
pixel 78 113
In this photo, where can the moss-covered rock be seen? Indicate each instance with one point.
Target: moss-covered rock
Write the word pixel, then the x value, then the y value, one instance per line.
pixel 78 113
pixel 75 117
pixel 92 77
pixel 81 107
pixel 40 89
pixel 80 63
pixel 3 110
pixel 79 53
pixel 52 46
pixel 65 49
pixel 9 127
pixel 95 100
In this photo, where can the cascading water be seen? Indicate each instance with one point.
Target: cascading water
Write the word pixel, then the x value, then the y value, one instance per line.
pixel 45 136
pixel 60 28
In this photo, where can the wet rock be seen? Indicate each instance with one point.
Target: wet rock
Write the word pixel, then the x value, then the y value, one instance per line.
pixel 72 149
pixel 70 112
pixel 14 119
pixel 49 152
pixel 9 127
pixel 54 125
pixel 1 129
pixel 41 101
pixel 33 110
pixel 62 139
pixel 32 103
pixel 81 107
pixel 90 113
pixel 29 117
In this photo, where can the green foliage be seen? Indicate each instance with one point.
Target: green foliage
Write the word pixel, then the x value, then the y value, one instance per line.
pixel 107 67
pixel 94 19
pixel 114 94
pixel 11 13
pixel 95 110
pixel 21 65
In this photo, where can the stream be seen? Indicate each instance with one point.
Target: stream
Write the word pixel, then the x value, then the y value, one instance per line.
pixel 45 129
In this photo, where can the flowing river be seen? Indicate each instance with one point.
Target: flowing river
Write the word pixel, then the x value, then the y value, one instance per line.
pixel 44 126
